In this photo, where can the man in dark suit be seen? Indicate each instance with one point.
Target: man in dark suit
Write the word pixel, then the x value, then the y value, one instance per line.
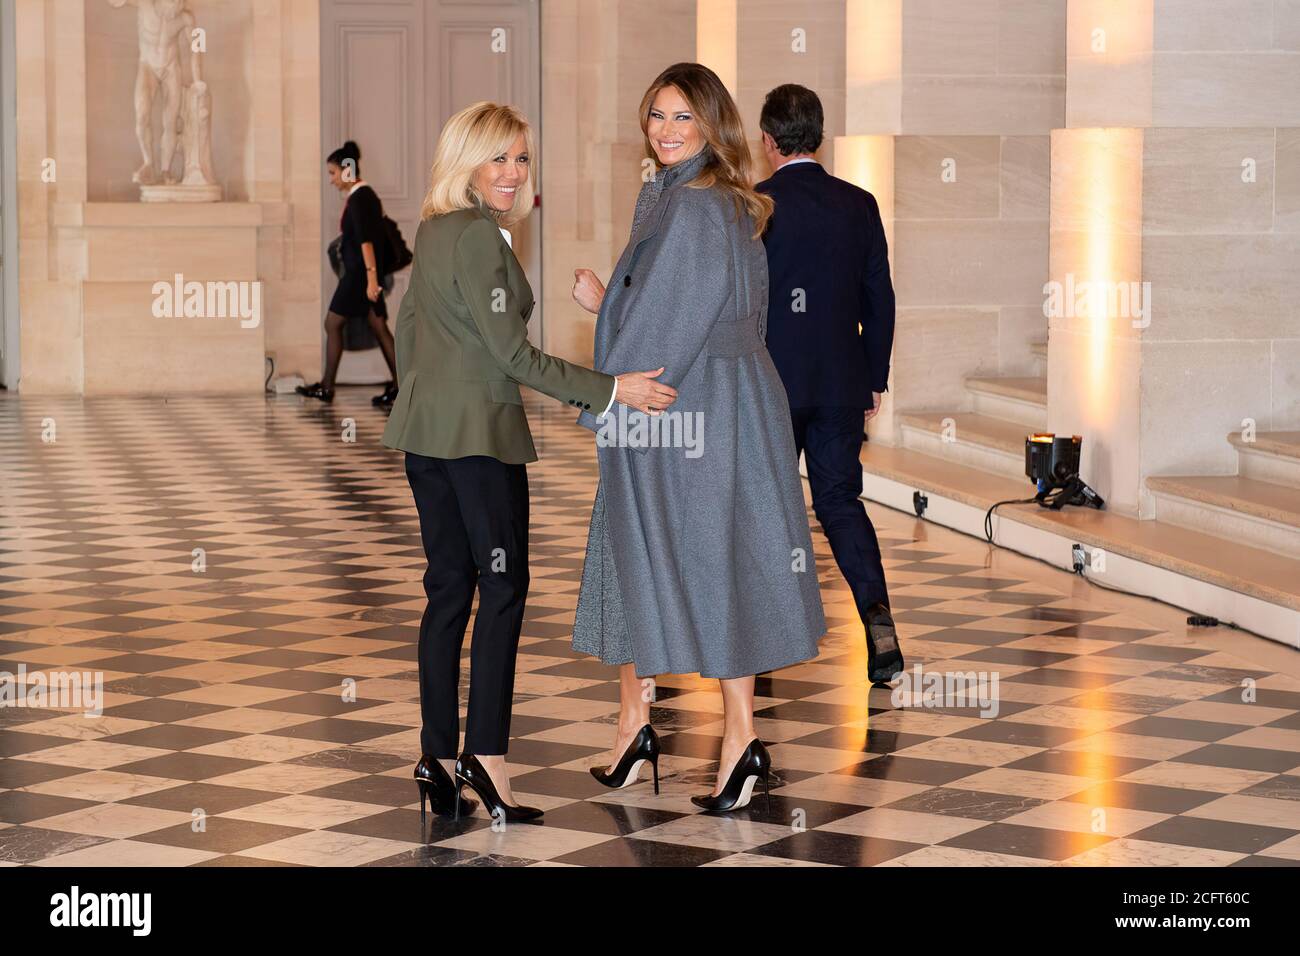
pixel 828 271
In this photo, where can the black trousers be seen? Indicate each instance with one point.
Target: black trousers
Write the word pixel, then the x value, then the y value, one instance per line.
pixel 474 526
pixel 831 440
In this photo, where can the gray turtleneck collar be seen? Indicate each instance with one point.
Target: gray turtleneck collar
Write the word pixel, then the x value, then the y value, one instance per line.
pixel 687 169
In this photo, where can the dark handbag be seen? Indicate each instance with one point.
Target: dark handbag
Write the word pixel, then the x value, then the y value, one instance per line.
pixel 336 256
pixel 399 253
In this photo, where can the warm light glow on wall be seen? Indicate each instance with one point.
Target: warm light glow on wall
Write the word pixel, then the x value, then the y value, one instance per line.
pixel 715 39
pixel 873 65
pixel 868 162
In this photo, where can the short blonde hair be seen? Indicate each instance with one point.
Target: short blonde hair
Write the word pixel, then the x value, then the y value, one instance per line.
pixel 476 135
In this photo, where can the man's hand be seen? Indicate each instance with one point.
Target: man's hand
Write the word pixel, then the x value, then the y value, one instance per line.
pixel 874 410
pixel 639 390
pixel 587 290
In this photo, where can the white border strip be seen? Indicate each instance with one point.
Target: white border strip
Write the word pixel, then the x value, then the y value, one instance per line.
pixel 1135 577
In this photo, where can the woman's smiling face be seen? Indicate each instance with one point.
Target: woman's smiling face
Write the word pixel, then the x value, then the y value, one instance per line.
pixel 497 180
pixel 673 132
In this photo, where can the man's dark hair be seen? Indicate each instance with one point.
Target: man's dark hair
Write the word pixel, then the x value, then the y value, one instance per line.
pixel 792 115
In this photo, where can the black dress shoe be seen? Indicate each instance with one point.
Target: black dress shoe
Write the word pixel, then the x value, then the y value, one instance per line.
pixel 644 748
pixel 753 764
pixel 387 398
pixel 436 787
pixel 316 390
pixel 470 773
pixel 884 658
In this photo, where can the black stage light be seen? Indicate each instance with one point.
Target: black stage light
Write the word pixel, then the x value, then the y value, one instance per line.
pixel 1052 463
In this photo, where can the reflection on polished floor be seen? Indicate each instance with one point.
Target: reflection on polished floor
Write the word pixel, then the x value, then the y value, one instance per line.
pixel 1120 738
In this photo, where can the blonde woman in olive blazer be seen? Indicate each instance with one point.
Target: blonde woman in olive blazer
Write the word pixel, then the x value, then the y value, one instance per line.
pixel 462 353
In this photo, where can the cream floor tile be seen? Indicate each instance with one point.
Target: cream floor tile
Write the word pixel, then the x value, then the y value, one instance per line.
pixel 232 695
pixel 103 785
pixel 730 833
pixel 1143 853
pixel 117 820
pixel 1076 718
pixel 844 788
pixel 534 842
pixel 903 825
pixel 328 848
pixel 753 859
pixel 1269 738
pixel 94 754
pixel 946 856
pixel 1288 849
pixel 817 759
pixel 304 810
pixel 1247 715
pixel 1133 745
pixel 264 747
pixel 976 752
pixel 283 778
pixel 1190 776
pixel 1025 783
pixel 78 727
pixel 128 853
pixel 1085 818
pixel 247 721
pixel 1261 811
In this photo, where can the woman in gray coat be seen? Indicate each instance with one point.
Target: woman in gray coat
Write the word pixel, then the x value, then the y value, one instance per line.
pixel 699 557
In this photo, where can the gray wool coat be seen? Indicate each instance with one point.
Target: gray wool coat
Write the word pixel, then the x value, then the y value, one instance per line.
pixel 699 558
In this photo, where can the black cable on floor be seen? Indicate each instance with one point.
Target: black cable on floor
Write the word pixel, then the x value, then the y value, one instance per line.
pixel 988 515
pixel 1194 619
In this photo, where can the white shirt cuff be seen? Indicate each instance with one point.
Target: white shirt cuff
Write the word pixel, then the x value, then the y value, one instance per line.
pixel 611 400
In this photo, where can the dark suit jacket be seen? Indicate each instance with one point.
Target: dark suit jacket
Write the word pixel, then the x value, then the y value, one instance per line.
pixel 826 239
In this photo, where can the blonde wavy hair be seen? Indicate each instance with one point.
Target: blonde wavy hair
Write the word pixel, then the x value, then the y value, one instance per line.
pixel 731 168
pixel 476 135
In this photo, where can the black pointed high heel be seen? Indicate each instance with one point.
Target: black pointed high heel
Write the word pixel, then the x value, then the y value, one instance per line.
pixel 437 789
pixel 644 748
pixel 470 773
pixel 753 765
pixel 884 656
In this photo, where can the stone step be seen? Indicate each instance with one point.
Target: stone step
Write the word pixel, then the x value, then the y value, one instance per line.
pixel 1222 562
pixel 1255 513
pixel 1020 399
pixel 976 441
pixel 1272 456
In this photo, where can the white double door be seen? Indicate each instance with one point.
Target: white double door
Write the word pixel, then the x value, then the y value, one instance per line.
pixel 391 75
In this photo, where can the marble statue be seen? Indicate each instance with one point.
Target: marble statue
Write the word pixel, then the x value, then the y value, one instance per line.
pixel 164 28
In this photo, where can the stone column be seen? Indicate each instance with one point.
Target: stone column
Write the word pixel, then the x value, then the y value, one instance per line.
pixel 1176 200
pixel 948 109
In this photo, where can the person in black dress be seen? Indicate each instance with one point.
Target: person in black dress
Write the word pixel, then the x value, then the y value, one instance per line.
pixel 359 293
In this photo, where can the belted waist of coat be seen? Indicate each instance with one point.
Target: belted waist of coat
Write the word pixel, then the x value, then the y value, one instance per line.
pixel 734 338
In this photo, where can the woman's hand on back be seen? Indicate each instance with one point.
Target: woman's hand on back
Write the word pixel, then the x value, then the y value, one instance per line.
pixel 639 390
pixel 587 290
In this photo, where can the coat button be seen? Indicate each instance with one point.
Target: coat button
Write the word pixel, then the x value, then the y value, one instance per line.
pixel 627 281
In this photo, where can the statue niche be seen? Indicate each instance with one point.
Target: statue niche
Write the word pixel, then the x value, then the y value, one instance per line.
pixel 165 28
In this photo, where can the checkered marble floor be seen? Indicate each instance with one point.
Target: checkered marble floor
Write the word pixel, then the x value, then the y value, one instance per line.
pixel 229 736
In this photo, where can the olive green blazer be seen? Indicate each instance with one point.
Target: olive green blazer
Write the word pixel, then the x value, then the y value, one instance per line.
pixel 463 350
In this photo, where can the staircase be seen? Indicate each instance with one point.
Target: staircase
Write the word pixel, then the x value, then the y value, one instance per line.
pixel 990 438
pixel 1227 545
pixel 1259 506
